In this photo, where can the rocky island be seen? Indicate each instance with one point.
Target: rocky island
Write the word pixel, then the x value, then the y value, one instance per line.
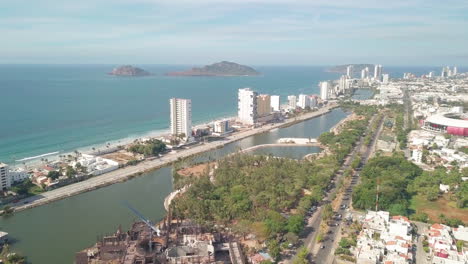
pixel 128 70
pixel 224 68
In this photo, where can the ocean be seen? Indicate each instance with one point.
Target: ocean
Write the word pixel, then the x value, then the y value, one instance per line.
pixel 53 109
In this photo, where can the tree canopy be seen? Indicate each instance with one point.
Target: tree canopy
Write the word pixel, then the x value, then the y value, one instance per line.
pixel 257 189
pixel 393 175
pixel 152 147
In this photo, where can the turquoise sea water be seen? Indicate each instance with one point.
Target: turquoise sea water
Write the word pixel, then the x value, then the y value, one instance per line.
pixel 53 108
pixel 50 108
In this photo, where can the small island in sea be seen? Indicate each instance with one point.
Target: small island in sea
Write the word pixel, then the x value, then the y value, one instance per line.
pixel 128 70
pixel 224 68
pixel 356 68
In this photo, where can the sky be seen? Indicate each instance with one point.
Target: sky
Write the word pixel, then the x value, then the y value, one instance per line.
pixel 255 32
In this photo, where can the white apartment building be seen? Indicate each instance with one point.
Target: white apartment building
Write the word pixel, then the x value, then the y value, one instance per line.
pixel 325 88
pixel 275 103
pixel 349 71
pixel 377 72
pixel 9 177
pixel 417 153
pixel 385 78
pixel 18 175
pixel 292 101
pixel 365 73
pixel 343 84
pixel 221 127
pixel 5 182
pixel 304 101
pixel 247 106
pixel 393 243
pixel 96 165
pixel 313 101
pixel 181 117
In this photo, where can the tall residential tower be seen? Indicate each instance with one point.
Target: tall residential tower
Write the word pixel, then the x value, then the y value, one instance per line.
pixel 247 108
pixel 377 72
pixel 181 117
pixel 275 103
pixel 325 88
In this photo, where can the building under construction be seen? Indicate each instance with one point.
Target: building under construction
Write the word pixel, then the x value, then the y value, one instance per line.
pixel 171 242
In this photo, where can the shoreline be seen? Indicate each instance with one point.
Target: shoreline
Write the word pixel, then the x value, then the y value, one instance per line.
pixel 129 172
pixel 32 161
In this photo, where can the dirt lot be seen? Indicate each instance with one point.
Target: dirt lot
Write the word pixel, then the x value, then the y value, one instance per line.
pixel 196 170
pixel 441 206
pixel 121 156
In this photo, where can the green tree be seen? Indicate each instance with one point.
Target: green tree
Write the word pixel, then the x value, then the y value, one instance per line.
pixel 53 175
pixel 460 244
pixel 327 212
pixel 274 249
pixel 295 224
pixel 70 172
pixel 301 257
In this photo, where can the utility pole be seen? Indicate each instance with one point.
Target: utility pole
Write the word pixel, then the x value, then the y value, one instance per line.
pixel 377 196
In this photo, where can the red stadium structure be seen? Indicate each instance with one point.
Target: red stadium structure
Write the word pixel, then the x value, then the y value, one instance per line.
pixel 450 123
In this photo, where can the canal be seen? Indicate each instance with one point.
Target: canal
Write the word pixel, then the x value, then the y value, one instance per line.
pixel 54 232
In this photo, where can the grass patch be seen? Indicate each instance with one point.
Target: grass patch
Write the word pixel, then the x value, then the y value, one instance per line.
pixel 441 206
pixel 34 190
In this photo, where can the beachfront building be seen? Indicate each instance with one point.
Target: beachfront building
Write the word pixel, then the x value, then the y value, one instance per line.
pixel 247 106
pixel 313 101
pixel 4 179
pixel 344 84
pixel 349 71
pixel 181 118
pixel 292 102
pixel 263 105
pixel 221 127
pixel 275 103
pixel 18 175
pixel 377 72
pixel 325 89
pixel 304 101
pixel 96 165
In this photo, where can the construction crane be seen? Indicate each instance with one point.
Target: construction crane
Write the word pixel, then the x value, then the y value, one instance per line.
pixel 143 218
pixel 147 222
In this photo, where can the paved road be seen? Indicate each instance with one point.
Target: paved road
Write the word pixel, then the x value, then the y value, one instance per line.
pixel 127 172
pixel 327 248
pixel 421 256
pixel 314 222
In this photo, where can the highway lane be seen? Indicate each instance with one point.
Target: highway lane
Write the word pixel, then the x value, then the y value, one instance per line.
pixel 314 222
pixel 327 248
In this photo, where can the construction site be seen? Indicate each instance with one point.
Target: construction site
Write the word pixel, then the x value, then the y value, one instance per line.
pixel 169 241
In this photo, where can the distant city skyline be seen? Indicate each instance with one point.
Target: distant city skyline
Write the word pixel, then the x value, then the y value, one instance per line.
pixel 255 32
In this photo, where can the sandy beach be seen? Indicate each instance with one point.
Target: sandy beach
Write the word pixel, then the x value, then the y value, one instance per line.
pixel 148 165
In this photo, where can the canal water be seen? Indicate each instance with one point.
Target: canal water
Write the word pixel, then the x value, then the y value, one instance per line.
pixel 53 233
pixel 291 152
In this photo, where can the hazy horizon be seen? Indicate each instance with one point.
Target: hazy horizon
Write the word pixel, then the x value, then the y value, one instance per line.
pixel 252 32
